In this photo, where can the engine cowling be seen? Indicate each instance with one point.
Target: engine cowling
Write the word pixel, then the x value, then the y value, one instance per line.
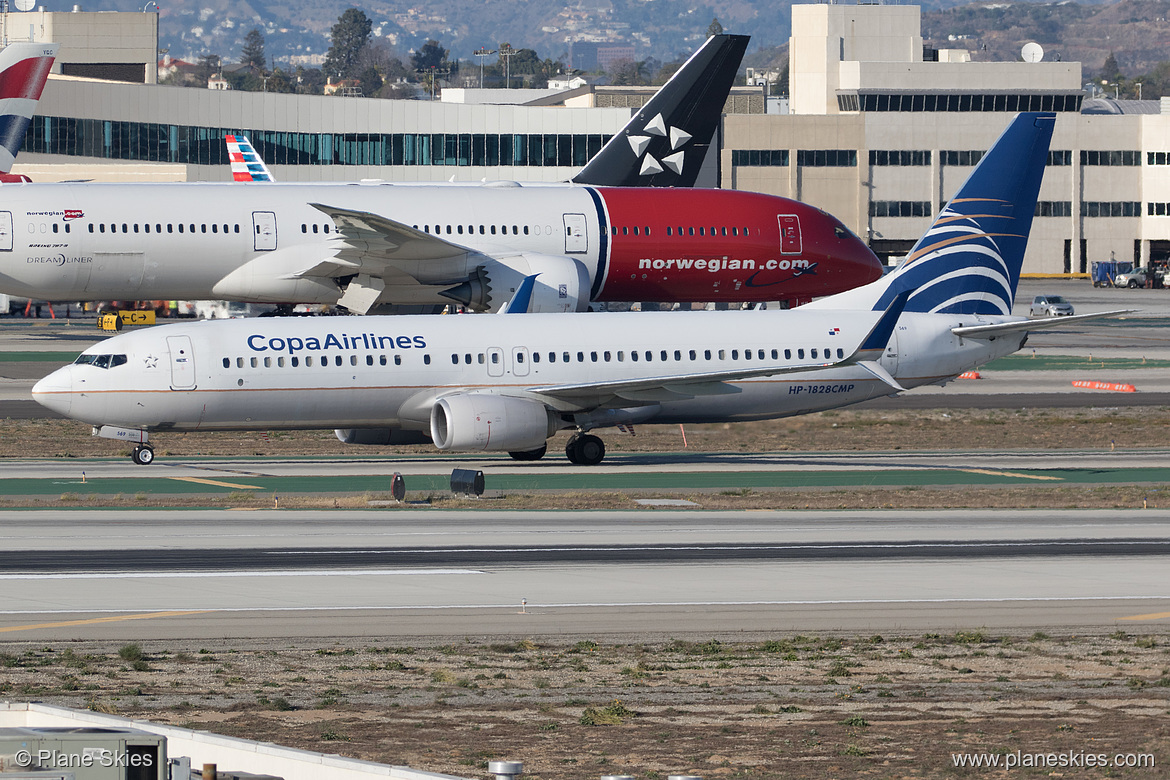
pixel 481 421
pixel 380 437
pixel 562 283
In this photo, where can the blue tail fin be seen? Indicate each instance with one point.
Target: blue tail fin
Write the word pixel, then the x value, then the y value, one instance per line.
pixel 969 260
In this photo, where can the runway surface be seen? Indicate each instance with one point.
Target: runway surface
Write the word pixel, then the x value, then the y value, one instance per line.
pixel 162 575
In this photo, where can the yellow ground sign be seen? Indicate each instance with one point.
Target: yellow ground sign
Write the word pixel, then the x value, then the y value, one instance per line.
pixel 145 317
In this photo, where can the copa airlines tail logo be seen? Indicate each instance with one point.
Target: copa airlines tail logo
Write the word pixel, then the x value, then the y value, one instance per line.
pixel 678 139
pixel 964 263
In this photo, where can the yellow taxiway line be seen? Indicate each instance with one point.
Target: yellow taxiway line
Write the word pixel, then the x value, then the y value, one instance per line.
pixel 113 619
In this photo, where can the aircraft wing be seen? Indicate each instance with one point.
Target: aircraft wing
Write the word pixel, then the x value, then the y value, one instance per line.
pixel 378 252
pixel 1026 326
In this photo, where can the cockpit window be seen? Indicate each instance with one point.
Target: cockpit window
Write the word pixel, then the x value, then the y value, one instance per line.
pixel 101 361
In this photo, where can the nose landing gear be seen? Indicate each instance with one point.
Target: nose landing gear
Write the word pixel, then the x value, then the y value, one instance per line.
pixel 143 455
pixel 585 450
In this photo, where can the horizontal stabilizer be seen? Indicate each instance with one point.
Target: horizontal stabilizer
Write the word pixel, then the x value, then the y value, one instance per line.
pixel 1026 326
pixel 880 372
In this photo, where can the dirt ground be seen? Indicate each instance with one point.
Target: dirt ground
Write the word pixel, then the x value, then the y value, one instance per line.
pixel 753 707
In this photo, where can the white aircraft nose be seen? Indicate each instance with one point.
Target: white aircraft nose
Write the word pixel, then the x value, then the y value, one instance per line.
pixel 55 391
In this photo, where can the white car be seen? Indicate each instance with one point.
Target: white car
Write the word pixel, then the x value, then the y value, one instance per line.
pixel 1050 306
pixel 1134 278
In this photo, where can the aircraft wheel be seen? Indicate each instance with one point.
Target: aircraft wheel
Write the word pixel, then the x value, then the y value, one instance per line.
pixel 589 450
pixel 571 450
pixel 535 454
pixel 143 456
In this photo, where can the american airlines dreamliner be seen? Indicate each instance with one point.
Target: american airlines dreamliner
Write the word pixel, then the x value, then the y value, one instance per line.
pixel 509 382
pixel 361 245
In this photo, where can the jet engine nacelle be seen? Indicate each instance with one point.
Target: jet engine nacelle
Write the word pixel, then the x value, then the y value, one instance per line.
pixel 380 437
pixel 562 284
pixel 481 421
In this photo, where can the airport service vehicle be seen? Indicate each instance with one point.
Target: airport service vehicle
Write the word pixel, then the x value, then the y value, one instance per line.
pixel 1133 278
pixel 1050 306
pixel 508 382
pixel 24 69
pixel 359 245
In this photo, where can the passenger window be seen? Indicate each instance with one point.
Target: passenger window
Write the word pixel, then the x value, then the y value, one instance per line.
pixel 722 355
pixel 316 226
pixel 813 354
pixel 426 360
pixel 467 358
pixel 593 356
pixel 840 353
pixel 454 359
pixel 214 228
pixel 735 231
pixel 460 229
pixel 398 360
pixel 525 230
pixel 239 362
pixel 535 357
pixel 519 357
pixel 677 355
pixel 268 362
pixel 353 360
pixel 649 356
pixel 800 354
pixel 308 361
pixel 54 227
pixel 635 230
pixel 701 233
pixel 706 354
pixel 102 227
pixel 90 227
pixel 690 231
pixel 775 354
pixel 481 358
pixel 327 228
pixel 495 358
pixel 382 360
pixel 693 355
pixel 370 360
pixel 337 360
pixel 621 356
pixel 634 355
pixel 580 357
pixel 605 356
pixel 227 363
pixel 125 228
pixel 565 357
pixel 296 361
pixel 255 362
pixel 280 362
pixel 203 228
pixel 788 354
pixel 747 354
pixel 734 352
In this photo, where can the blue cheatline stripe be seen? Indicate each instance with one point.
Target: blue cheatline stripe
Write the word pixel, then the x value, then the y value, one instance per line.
pixel 12 130
pixel 602 243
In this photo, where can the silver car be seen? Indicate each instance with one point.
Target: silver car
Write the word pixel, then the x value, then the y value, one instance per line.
pixel 1050 306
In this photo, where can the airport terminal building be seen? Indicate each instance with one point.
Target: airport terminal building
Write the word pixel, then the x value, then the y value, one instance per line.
pixel 880 133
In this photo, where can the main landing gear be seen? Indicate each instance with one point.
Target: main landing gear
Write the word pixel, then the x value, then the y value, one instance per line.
pixel 143 455
pixel 535 454
pixel 585 449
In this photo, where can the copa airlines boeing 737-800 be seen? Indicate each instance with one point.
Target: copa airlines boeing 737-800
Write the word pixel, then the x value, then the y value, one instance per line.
pixel 361 245
pixel 508 382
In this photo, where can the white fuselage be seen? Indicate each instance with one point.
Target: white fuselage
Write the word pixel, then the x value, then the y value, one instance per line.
pixel 389 371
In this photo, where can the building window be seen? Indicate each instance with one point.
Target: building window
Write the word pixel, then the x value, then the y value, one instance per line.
pixel 901 157
pixel 759 157
pixel 1093 208
pixel 965 157
pixel 1054 208
pixel 1158 209
pixel 826 158
pixel 1060 157
pixel 899 208
pixel 1116 157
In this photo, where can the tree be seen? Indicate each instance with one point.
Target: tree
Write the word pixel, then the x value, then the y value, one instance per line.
pixel 430 56
pixel 208 67
pixel 627 73
pixel 1110 70
pixel 349 36
pixel 253 56
pixel 715 28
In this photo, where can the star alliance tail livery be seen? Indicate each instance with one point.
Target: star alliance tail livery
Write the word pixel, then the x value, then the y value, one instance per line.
pixel 509 382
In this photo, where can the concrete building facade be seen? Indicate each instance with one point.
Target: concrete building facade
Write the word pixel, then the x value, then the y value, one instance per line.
pixel 881 133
